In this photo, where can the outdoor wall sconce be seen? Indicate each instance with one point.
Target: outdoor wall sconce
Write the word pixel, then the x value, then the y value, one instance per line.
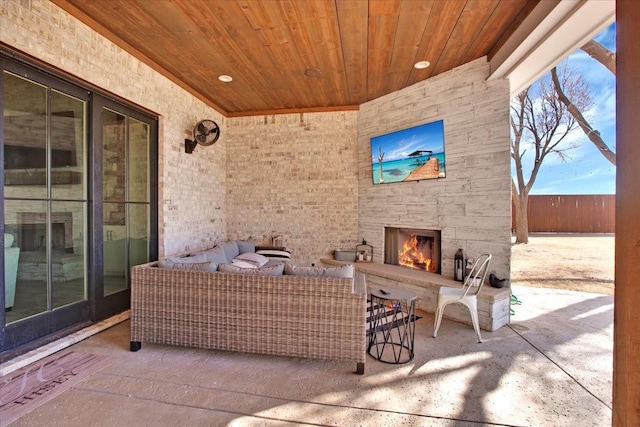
pixel 206 132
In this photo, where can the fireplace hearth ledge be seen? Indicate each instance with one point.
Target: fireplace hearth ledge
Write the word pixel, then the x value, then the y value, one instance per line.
pixel 493 303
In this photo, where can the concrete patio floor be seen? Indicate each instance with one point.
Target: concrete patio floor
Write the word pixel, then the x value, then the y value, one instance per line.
pixel 551 367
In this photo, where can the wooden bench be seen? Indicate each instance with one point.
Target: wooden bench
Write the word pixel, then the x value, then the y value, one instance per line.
pixel 493 303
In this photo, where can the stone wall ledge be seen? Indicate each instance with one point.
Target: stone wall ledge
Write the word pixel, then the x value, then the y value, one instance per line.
pixel 493 303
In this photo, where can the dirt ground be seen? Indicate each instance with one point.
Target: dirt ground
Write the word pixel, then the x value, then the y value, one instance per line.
pixel 565 261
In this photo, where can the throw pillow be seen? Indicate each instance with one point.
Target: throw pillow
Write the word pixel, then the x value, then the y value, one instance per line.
pixel 254 259
pixel 215 254
pixel 230 249
pixel 8 240
pixel 246 246
pixel 275 254
pixel 275 270
pixel 342 272
pixel 242 264
pixel 193 266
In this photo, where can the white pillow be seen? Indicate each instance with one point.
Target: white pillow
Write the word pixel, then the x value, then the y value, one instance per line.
pixel 8 240
pixel 253 259
pixel 242 264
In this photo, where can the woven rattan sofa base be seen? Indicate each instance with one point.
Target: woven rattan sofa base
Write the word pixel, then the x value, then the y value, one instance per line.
pixel 310 317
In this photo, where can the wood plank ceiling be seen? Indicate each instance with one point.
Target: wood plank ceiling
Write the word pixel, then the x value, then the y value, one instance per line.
pixel 300 55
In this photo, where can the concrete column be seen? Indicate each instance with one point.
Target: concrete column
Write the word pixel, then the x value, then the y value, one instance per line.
pixel 626 353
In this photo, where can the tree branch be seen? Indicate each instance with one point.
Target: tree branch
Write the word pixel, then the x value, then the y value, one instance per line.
pixel 592 134
pixel 601 54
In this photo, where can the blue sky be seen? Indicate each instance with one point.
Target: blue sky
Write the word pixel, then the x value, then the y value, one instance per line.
pixel 398 145
pixel 586 171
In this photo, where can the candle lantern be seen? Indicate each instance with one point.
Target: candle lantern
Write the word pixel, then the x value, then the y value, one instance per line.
pixel 364 252
pixel 458 266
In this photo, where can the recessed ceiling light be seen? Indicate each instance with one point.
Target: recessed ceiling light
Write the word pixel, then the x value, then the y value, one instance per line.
pixel 421 65
pixel 225 78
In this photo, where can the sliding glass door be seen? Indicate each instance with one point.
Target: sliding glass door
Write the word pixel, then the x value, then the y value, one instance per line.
pixel 79 203
pixel 44 135
pixel 127 163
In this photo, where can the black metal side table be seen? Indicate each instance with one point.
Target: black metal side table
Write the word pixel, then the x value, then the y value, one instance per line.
pixel 392 325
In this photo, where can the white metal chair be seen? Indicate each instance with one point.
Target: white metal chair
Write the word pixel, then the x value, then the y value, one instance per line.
pixel 467 295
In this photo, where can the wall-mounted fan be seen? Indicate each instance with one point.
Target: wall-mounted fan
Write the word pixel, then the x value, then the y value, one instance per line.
pixel 206 132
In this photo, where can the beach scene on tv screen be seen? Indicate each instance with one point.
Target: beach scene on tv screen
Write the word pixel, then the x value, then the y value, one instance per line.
pixel 411 154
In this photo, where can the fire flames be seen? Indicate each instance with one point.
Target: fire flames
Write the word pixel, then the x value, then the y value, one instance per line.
pixel 412 256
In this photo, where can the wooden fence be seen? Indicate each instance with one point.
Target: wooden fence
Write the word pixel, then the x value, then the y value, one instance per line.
pixel 571 213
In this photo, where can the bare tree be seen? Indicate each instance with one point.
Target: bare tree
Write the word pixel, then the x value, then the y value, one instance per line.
pixel 608 60
pixel 540 122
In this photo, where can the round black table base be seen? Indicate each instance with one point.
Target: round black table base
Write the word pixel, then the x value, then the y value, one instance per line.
pixel 392 325
pixel 387 352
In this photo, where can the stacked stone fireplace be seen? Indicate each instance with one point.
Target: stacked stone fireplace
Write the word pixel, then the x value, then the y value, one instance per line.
pixel 414 248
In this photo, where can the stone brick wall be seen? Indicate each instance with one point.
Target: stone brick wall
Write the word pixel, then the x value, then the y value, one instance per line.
pixel 192 186
pixel 294 175
pixel 472 205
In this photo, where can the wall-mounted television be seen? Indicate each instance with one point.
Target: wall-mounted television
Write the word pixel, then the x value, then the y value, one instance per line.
pixel 412 154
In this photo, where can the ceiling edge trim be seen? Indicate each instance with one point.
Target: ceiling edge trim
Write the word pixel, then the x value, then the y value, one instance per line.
pixel 296 111
pixel 567 26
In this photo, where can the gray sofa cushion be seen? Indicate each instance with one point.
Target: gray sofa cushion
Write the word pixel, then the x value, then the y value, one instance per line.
pixel 274 270
pixel 215 254
pixel 193 266
pixel 343 272
pixel 187 259
pixel 230 249
pixel 246 246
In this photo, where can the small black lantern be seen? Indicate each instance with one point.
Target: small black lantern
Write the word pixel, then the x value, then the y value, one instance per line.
pixel 458 266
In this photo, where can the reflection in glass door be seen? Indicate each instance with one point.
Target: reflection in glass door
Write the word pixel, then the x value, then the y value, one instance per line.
pixel 126 197
pixel 45 203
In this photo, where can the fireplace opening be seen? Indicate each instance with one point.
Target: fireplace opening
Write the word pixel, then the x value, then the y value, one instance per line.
pixel 418 249
pixel 32 232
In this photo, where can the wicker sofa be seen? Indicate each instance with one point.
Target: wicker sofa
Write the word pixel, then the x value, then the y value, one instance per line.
pixel 311 317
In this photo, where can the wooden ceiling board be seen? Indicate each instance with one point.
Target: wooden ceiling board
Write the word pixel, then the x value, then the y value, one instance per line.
pixel 467 28
pixel 287 77
pixel 493 27
pixel 249 67
pixel 353 26
pixel 442 23
pixel 363 49
pixel 412 22
pixel 383 20
pixel 319 25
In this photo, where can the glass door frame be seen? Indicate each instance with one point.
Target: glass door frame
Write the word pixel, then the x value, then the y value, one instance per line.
pixel 103 306
pixel 77 313
pixel 26 334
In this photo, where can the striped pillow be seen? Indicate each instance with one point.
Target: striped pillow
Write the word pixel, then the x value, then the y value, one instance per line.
pixel 275 254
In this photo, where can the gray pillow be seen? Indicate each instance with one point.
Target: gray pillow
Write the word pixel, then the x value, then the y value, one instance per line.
pixel 246 246
pixel 274 270
pixel 187 259
pixel 193 266
pixel 215 254
pixel 230 249
pixel 342 272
